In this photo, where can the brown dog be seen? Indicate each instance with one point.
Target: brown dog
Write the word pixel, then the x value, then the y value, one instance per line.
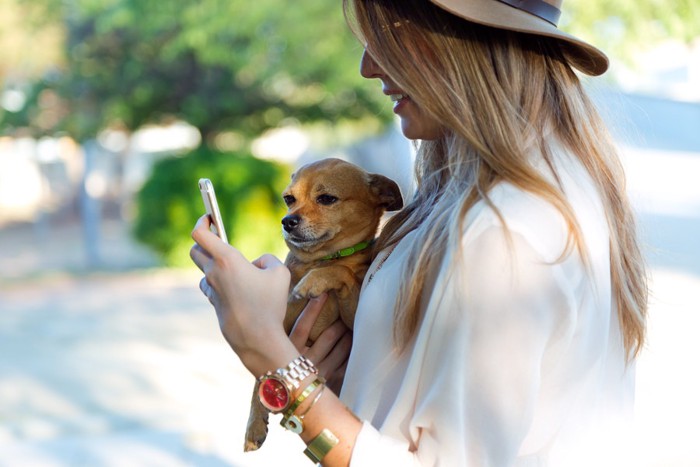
pixel 334 209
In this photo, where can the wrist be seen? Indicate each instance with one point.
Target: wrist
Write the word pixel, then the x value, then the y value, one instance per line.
pixel 293 417
pixel 278 389
pixel 277 353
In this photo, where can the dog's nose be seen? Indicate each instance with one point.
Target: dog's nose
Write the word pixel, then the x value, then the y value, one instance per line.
pixel 290 222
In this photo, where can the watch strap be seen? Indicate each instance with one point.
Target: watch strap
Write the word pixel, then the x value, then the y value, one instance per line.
pixel 297 371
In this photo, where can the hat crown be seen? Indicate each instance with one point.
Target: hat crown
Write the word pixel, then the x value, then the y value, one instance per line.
pixel 539 17
pixel 548 10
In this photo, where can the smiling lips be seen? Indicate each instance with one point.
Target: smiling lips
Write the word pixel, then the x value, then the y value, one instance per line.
pixel 398 99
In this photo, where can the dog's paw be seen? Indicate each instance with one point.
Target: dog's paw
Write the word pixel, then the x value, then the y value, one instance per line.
pixel 309 288
pixel 255 435
pixel 256 428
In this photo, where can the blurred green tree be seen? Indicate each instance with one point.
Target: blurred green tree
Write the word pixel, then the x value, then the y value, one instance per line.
pixel 32 49
pixel 248 190
pixel 623 27
pixel 220 65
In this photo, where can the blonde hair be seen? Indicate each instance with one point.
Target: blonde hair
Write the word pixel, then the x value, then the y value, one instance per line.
pixel 499 94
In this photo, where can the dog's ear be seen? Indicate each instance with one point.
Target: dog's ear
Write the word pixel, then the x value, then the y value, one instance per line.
pixel 387 191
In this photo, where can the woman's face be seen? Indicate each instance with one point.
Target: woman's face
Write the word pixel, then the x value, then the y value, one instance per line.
pixel 415 123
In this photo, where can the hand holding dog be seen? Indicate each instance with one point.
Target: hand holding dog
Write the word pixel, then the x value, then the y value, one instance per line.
pixel 332 348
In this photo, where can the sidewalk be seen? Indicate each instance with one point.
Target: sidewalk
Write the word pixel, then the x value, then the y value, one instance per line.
pixel 115 364
pixel 56 246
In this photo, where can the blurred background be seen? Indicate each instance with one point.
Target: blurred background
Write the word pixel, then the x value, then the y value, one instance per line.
pixel 111 110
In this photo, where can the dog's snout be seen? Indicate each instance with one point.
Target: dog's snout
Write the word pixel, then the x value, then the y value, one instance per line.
pixel 290 222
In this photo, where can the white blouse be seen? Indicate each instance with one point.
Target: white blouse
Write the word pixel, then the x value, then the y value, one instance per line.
pixel 518 360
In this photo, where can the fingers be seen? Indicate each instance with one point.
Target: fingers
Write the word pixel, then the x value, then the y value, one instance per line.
pixel 200 257
pixel 336 350
pixel 206 290
pixel 201 233
pixel 209 241
pixel 338 356
pixel 334 380
pixel 325 345
pixel 305 321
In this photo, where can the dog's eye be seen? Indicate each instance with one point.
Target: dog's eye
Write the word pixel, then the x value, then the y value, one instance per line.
pixel 289 200
pixel 326 200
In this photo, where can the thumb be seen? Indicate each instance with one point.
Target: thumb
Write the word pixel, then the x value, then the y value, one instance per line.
pixel 267 261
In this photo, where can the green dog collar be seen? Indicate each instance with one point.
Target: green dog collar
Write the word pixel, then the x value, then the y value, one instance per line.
pixel 348 251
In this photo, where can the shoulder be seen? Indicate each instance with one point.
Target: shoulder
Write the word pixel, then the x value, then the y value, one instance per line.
pixel 536 219
pixel 520 213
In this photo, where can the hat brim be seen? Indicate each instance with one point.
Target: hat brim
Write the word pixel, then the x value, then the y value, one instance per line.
pixel 583 56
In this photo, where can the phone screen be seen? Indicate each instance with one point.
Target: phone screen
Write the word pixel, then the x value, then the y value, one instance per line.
pixel 212 207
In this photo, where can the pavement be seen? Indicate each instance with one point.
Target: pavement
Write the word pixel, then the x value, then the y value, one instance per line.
pixel 124 365
pixel 120 364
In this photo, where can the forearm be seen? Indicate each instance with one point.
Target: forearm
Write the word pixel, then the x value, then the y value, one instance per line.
pixel 330 413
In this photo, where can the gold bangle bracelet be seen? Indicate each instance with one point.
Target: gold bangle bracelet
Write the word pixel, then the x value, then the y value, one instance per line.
pixel 290 421
pixel 313 402
pixel 321 445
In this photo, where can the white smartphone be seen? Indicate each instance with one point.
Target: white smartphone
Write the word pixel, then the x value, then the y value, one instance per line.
pixel 209 198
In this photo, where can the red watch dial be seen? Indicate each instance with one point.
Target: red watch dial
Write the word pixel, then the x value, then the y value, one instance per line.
pixel 274 394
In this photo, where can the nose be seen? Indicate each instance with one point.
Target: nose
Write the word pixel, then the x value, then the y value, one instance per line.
pixel 290 222
pixel 368 67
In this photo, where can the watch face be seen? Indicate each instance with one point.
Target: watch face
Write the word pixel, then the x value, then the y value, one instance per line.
pixel 274 394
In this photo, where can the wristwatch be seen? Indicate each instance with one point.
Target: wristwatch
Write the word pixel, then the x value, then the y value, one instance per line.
pixel 275 390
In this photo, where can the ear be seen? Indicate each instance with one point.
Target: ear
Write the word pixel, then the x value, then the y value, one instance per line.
pixel 387 191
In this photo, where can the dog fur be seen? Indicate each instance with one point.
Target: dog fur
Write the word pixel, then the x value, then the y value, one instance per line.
pixel 332 205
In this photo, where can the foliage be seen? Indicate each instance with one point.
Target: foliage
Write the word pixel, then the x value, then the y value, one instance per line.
pixel 623 27
pixel 219 65
pixel 32 50
pixel 248 191
pixel 30 43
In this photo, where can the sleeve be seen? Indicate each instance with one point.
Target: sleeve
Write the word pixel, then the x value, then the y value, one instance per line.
pixel 478 356
pixel 374 449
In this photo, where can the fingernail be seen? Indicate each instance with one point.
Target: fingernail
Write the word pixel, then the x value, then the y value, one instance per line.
pixel 321 297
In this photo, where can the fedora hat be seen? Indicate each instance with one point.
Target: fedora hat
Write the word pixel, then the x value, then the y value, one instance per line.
pixel 539 17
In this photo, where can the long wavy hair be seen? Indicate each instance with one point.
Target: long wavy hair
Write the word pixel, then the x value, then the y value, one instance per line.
pixel 501 96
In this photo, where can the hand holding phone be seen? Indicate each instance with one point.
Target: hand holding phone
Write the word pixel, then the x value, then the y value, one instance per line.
pixel 212 207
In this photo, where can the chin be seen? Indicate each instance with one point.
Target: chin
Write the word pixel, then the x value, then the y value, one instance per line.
pixel 420 132
pixel 410 132
pixel 420 135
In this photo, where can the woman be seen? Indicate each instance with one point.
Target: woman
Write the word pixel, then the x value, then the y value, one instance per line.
pixel 512 284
